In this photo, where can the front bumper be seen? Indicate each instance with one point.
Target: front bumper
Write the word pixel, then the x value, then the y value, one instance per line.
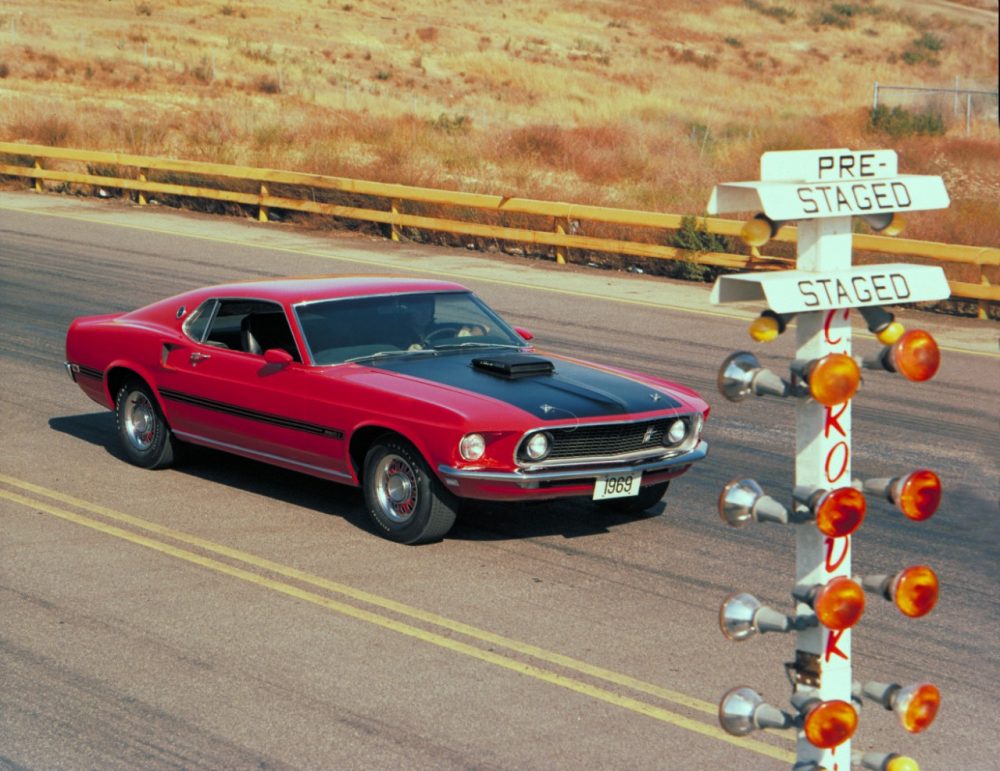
pixel 555 483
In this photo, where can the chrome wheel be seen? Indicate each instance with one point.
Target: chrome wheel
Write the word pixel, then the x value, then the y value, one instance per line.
pixel 139 421
pixel 395 488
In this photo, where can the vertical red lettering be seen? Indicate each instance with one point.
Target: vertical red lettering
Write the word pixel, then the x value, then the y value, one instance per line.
pixel 833 420
pixel 830 315
pixel 840 454
pixel 829 542
pixel 831 645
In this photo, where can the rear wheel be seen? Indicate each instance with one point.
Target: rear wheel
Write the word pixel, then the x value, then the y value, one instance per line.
pixel 145 436
pixel 404 499
pixel 636 504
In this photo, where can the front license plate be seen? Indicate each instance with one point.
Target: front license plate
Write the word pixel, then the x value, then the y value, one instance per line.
pixel 617 486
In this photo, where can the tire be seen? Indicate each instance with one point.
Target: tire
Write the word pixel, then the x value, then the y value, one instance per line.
pixel 145 436
pixel 636 504
pixel 404 499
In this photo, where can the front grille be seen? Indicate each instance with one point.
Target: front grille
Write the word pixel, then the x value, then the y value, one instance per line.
pixel 609 441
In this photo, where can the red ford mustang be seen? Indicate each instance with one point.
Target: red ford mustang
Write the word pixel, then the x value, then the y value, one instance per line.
pixel 412 389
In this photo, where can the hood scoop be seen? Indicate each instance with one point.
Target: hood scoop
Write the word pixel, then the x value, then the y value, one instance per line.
pixel 514 365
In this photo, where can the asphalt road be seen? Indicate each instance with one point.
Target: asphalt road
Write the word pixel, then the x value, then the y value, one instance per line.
pixel 226 614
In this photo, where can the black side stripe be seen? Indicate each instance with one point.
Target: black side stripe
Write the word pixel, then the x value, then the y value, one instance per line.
pixel 242 412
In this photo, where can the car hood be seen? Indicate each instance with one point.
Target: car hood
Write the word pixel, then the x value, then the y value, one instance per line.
pixel 571 389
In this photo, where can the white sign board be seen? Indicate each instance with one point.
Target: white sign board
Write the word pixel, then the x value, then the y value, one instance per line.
pixel 827 165
pixel 798 291
pixel 788 201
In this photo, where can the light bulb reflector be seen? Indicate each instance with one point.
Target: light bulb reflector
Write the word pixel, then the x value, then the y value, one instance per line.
pixel 916 706
pixel 833 379
pixel 737 499
pixel 736 616
pixel 915 355
pixel 840 512
pixel 918 494
pixel 736 710
pixel 830 723
pixel 915 591
pixel 839 603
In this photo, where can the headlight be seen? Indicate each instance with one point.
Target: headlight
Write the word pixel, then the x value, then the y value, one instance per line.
pixel 677 431
pixel 472 446
pixel 538 446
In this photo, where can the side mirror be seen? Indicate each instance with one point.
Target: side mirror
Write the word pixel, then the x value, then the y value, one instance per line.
pixel 277 356
pixel 524 333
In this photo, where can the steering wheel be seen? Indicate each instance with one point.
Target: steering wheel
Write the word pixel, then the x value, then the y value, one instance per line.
pixel 454 330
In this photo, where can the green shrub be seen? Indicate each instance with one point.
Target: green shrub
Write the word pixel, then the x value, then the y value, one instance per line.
pixel 899 122
pixel 695 238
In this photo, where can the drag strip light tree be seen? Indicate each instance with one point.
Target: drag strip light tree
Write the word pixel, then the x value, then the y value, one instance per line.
pixel 822 191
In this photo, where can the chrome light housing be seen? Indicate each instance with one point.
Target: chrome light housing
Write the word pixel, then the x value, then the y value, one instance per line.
pixel 472 447
pixel 537 446
pixel 677 432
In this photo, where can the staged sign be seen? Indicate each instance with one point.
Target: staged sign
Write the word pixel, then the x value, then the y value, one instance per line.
pixel 797 291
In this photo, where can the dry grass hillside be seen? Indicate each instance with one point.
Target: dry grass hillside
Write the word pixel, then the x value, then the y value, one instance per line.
pixel 644 104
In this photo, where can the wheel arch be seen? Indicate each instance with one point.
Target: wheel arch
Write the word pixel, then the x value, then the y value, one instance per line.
pixel 119 374
pixel 364 437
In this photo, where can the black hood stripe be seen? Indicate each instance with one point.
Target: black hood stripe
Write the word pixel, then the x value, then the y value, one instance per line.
pixel 573 390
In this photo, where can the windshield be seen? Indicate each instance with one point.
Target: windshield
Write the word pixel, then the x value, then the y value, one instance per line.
pixel 402 324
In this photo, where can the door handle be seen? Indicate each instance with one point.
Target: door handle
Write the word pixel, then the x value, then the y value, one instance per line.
pixel 198 357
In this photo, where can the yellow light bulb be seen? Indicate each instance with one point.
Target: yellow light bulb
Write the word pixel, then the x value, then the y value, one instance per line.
pixel 891 333
pixel 757 232
pixel 764 329
pixel 902 763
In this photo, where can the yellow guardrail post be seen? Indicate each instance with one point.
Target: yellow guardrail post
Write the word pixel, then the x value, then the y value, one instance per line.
pixel 394 223
pixel 562 225
pixel 141 194
pixel 981 305
pixel 38 179
pixel 262 209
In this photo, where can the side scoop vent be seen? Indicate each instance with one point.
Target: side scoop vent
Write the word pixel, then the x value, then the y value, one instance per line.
pixel 514 366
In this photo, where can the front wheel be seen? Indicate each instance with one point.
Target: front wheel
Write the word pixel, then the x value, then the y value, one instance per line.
pixel 404 499
pixel 636 504
pixel 145 436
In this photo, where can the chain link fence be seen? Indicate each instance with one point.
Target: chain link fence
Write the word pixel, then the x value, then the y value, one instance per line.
pixel 965 104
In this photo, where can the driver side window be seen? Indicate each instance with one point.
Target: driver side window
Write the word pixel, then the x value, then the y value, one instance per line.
pixel 251 326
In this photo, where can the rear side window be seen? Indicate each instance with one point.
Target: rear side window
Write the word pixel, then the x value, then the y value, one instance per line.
pixel 198 321
pixel 251 326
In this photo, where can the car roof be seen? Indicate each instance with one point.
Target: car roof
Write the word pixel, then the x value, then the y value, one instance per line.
pixel 297 289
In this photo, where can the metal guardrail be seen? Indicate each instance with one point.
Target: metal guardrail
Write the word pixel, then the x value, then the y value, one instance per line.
pixel 565 218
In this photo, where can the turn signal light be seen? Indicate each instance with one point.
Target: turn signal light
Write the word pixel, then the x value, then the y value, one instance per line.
pixel 829 724
pixel 759 230
pixel 915 591
pixel 885 761
pixel 840 512
pixel 915 355
pixel 768 325
pixel 839 603
pixel 833 379
pixel 917 495
pixel 915 705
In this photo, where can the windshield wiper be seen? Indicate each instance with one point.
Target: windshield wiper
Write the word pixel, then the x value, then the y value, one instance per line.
pixel 388 354
pixel 471 344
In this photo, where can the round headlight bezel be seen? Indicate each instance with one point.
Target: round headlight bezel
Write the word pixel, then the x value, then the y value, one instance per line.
pixel 472 447
pixel 668 435
pixel 536 456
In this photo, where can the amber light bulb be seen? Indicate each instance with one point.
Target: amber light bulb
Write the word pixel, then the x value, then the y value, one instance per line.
pixel 839 603
pixel 918 495
pixel 833 379
pixel 915 591
pixel 830 723
pixel 915 355
pixel 917 706
pixel 840 512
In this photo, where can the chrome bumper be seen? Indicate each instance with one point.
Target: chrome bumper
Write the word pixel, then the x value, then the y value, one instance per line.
pixel 531 479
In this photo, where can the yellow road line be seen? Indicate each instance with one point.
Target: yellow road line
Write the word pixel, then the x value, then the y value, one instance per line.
pixel 553 678
pixel 374 599
pixel 436 272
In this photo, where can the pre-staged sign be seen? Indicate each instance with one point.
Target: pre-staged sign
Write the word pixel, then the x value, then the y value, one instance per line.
pixel 809 184
pixel 798 291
